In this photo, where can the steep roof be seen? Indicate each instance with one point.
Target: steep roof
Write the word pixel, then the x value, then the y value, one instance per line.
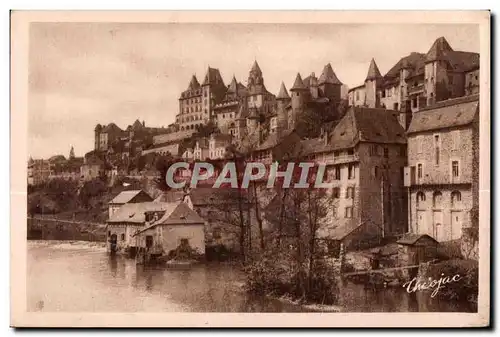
pixel 328 76
pixel 314 145
pixel 134 213
pixel 212 76
pixel 439 50
pixel 413 62
pixel 367 125
pixel 298 84
pixel 373 71
pixel 459 60
pixel 256 68
pixel 411 239
pixel 193 84
pixel 346 228
pixel 111 127
pixel 181 215
pixel 446 114
pixel 283 94
pixel 176 195
pixel 137 125
pixel 126 196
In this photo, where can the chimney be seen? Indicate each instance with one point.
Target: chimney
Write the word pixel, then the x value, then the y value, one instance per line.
pixel 143 123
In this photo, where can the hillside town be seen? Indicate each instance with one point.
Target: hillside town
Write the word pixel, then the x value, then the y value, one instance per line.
pixel 401 150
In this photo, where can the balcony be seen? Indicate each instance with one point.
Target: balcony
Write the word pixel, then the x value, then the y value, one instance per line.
pixel 416 89
pixel 435 178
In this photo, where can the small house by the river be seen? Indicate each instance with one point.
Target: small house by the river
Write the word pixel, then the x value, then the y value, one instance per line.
pixel 127 197
pixel 127 220
pixel 177 229
pixel 414 249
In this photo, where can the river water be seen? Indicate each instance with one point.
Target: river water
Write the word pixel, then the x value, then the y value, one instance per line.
pixel 81 277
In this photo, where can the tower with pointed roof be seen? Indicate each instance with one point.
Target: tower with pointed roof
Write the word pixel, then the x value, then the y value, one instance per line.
pixel 282 100
pixel 300 96
pixel 329 84
pixel 436 71
pixel 372 82
pixel 257 94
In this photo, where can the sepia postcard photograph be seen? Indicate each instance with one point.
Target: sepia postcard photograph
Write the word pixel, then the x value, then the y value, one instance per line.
pixel 250 169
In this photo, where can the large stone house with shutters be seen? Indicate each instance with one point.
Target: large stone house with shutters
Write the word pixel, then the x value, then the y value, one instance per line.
pixel 442 177
pixel 365 155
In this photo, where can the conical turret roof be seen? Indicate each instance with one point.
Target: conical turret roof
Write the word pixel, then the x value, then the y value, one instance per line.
pixel 256 68
pixel 328 76
pixel 440 48
pixel 283 94
pixel 373 71
pixel 298 84
pixel 194 84
pixel 233 86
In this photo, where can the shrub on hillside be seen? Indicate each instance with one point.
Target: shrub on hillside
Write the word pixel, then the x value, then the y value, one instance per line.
pixel 277 274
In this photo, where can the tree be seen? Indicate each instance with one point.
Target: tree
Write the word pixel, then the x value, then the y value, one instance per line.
pixel 71 153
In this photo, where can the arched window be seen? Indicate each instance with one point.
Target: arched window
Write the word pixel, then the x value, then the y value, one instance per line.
pixel 436 199
pixel 349 193
pixel 456 198
pixel 182 128
pixel 420 198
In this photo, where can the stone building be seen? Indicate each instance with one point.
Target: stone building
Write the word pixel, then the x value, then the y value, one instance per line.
pixel 217 145
pixel 226 111
pixel 323 94
pixel 39 171
pixel 419 80
pixel 365 155
pixel 105 136
pixel 155 225
pixel 197 102
pixel 442 177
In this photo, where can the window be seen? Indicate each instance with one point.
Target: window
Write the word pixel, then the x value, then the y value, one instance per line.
pixel 350 152
pixel 414 103
pixel 420 171
pixel 348 212
pixel 122 237
pixel 357 95
pixel 456 198
pixel 420 144
pixel 349 193
pixel 351 171
pixel 216 234
pixel 373 150
pixel 402 151
pixel 375 171
pixel 436 149
pixel 386 152
pixel 455 169
pixel 396 106
pixel 109 233
pixel 420 197
pixel 336 193
pixel 436 199
pixel 336 173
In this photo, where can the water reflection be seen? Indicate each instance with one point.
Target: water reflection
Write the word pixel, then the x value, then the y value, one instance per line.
pixel 79 278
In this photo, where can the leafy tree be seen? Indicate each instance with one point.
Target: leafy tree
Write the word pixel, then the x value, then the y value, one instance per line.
pixel 91 189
